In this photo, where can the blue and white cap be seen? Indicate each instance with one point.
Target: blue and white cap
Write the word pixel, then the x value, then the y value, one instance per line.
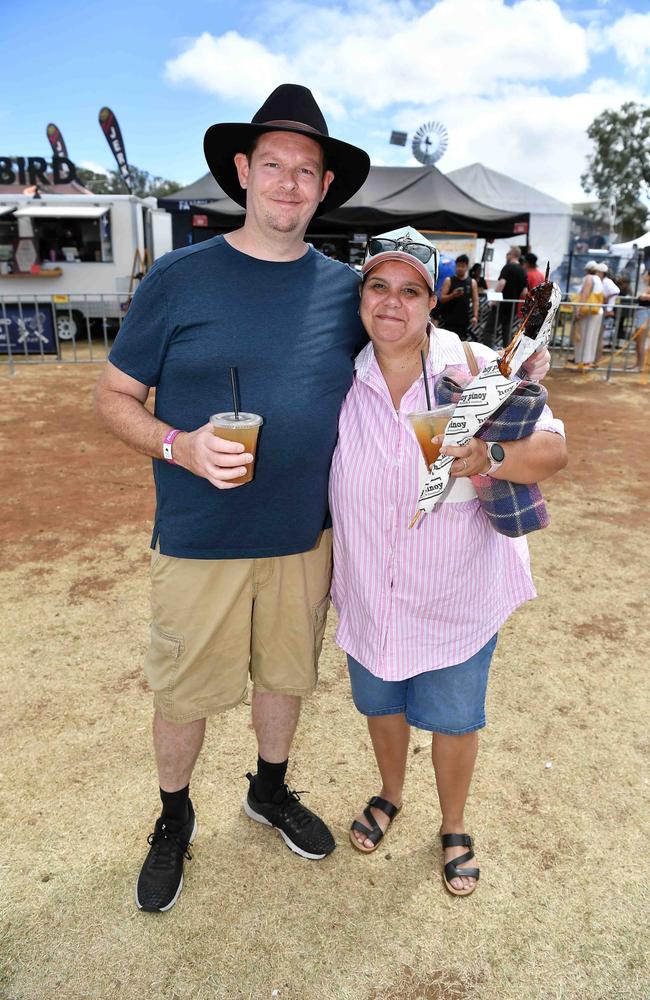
pixel 407 245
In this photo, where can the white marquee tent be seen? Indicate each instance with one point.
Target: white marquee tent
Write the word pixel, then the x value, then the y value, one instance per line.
pixel 628 248
pixel 550 219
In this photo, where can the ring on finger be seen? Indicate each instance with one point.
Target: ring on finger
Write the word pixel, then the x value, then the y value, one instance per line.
pixel 464 464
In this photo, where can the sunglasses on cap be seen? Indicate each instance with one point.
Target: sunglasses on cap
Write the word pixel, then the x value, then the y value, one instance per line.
pixel 421 251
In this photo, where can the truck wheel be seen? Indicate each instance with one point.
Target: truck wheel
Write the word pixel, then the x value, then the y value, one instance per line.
pixel 69 325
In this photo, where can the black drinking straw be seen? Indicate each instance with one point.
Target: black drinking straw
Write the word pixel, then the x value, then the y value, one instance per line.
pixel 426 384
pixel 234 393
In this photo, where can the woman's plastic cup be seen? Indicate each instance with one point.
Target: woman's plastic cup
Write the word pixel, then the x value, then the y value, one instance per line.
pixel 428 424
pixel 244 428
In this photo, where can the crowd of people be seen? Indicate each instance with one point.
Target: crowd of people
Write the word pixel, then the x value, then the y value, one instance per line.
pixel 241 571
pixel 597 321
pixel 463 305
pixel 607 312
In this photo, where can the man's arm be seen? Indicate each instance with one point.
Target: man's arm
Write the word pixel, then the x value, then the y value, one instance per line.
pixel 474 302
pixel 445 294
pixel 120 405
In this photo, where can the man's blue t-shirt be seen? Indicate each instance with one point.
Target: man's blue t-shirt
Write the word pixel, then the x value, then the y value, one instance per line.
pixel 291 330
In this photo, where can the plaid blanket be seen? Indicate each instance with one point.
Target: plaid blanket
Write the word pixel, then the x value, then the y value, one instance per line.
pixel 513 508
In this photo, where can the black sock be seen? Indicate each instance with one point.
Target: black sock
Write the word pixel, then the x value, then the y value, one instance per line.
pixel 269 779
pixel 176 804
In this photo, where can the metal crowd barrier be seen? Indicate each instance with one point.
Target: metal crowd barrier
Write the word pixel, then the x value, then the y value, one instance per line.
pixel 624 337
pixel 80 329
pixel 66 329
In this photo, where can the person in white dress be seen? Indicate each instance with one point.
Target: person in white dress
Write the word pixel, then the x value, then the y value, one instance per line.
pixel 590 316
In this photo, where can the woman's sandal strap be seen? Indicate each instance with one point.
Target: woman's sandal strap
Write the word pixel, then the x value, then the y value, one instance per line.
pixel 451 868
pixel 373 832
pixel 453 871
pixel 456 840
pixel 386 807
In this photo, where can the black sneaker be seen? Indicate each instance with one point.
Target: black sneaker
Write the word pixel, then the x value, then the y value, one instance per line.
pixel 301 829
pixel 161 877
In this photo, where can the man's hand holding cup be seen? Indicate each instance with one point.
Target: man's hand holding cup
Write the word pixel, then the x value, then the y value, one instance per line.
pixel 211 457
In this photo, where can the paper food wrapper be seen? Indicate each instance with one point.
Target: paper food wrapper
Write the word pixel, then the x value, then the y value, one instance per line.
pixel 479 400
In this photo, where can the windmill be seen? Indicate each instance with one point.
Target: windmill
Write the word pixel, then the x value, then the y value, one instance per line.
pixel 430 142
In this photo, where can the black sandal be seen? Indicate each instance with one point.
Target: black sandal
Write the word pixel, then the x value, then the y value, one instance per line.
pixel 373 831
pixel 451 869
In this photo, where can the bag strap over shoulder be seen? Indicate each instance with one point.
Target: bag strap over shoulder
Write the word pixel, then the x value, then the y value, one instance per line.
pixel 471 359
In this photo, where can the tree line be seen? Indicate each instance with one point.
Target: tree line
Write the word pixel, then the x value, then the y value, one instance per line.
pixel 145 185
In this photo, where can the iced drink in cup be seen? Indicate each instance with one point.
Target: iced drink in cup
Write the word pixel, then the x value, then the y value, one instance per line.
pixel 243 427
pixel 428 424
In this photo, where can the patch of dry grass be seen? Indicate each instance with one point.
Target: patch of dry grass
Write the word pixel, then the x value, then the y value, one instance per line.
pixel 562 900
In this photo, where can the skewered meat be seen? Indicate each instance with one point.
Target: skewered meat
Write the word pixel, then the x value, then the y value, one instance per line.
pixel 535 310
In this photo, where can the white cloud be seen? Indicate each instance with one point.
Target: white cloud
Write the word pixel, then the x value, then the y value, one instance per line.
pixel 527 133
pixel 397 54
pixel 230 65
pixel 452 49
pixel 546 149
pixel 630 39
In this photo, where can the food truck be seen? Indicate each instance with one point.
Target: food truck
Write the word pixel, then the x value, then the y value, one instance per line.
pixel 69 264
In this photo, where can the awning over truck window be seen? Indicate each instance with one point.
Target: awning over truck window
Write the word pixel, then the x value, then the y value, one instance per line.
pixel 71 212
pixel 6 209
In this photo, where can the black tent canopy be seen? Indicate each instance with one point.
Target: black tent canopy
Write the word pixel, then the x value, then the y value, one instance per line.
pixel 203 195
pixel 424 198
pixel 390 198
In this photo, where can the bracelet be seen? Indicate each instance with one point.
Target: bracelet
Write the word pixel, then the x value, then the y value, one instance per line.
pixel 167 446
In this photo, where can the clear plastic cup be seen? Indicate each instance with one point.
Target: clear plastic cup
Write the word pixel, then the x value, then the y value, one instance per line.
pixel 427 424
pixel 245 429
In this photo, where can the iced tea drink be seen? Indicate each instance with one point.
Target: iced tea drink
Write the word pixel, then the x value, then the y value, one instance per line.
pixel 245 428
pixel 428 424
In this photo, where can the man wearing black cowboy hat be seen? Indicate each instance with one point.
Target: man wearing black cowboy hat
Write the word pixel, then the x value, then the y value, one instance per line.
pixel 240 576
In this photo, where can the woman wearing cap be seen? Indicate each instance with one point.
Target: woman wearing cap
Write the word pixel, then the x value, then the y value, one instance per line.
pixel 419 610
pixel 590 316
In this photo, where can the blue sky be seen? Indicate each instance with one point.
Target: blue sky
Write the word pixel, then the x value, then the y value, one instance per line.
pixel 515 83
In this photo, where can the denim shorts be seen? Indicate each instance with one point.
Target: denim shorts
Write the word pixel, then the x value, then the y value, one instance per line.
pixel 450 700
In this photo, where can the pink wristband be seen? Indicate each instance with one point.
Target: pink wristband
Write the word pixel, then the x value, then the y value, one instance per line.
pixel 167 446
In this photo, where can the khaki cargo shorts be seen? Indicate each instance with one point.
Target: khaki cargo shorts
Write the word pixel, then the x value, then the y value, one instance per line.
pixel 218 621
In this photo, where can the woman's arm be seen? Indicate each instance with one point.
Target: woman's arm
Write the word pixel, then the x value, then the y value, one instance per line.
pixel 586 289
pixel 529 460
pixel 537 366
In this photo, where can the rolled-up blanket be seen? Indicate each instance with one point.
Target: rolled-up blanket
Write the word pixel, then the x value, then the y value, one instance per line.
pixel 513 508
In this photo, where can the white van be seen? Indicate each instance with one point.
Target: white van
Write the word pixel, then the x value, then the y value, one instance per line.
pixel 74 258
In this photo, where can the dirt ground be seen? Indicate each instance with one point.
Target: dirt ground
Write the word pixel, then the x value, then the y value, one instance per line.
pixel 558 807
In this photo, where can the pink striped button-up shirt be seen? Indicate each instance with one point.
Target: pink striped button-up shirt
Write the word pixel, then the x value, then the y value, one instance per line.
pixel 425 598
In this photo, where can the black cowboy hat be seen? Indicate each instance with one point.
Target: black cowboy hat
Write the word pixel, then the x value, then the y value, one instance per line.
pixel 289 108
